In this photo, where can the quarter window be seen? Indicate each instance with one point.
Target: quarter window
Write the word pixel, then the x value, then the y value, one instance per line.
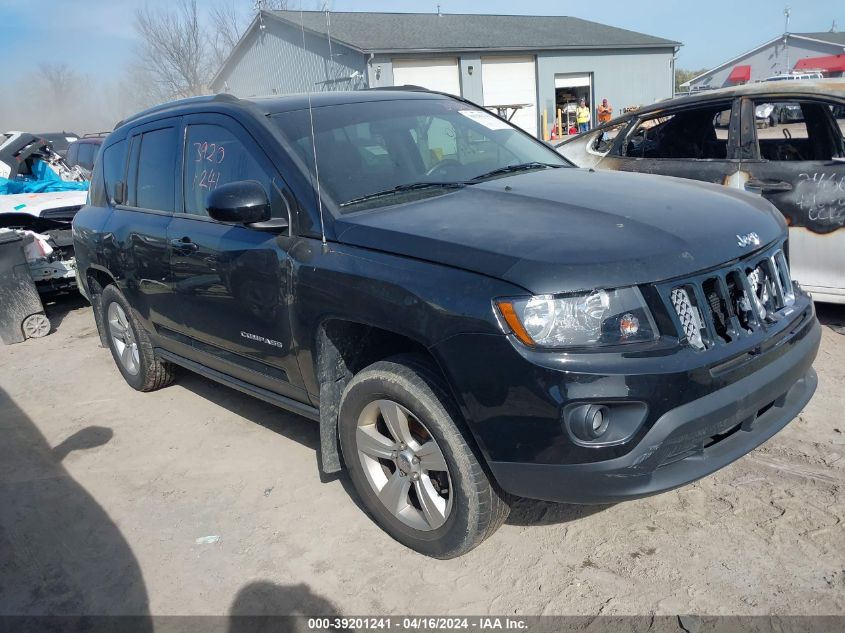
pixel 87 152
pixel 156 170
pixel 213 157
pixel 114 167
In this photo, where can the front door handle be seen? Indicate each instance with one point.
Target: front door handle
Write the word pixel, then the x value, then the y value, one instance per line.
pixel 184 245
pixel 769 186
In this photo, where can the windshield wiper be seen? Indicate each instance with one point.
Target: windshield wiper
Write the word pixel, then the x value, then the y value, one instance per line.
pixel 401 188
pixel 510 169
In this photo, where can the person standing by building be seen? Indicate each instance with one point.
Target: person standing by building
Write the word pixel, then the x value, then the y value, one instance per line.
pixel 605 112
pixel 582 116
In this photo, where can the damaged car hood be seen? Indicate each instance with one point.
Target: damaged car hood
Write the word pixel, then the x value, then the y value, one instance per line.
pixel 39 204
pixel 564 230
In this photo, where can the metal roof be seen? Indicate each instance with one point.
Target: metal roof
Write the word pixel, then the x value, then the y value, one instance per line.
pixel 824 36
pixel 278 104
pixel 769 89
pixel 420 32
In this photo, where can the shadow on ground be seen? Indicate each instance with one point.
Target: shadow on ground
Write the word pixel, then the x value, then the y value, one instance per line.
pixel 59 306
pixel 524 512
pixel 60 553
pixel 256 606
pixel 832 315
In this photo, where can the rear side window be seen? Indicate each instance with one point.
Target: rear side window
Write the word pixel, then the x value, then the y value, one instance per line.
pixel 114 167
pixel 85 158
pixel 156 180
pixel 214 157
pixel 71 154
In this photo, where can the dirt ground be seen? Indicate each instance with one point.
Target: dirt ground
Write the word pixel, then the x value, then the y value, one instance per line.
pixel 199 500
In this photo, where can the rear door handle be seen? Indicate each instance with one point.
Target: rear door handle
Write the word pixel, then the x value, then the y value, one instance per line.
pixel 769 186
pixel 184 245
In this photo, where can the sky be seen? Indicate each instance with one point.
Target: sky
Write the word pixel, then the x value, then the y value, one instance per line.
pixel 96 36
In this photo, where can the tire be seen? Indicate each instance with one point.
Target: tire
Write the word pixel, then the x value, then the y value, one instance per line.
pixel 464 506
pixel 130 345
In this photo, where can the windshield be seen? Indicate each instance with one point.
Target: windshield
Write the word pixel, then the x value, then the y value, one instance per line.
pixel 376 147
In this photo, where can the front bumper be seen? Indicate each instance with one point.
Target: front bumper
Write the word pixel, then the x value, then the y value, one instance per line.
pixel 702 421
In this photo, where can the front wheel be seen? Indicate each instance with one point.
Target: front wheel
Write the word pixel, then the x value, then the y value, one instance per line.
pixel 409 461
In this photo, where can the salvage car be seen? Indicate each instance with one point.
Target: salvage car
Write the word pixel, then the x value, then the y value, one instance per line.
pixel 83 152
pixel 39 196
pixel 467 317
pixel 46 218
pixel 60 141
pixel 799 165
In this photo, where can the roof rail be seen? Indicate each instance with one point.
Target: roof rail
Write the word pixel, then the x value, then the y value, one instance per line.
pixel 408 88
pixel 95 134
pixel 162 107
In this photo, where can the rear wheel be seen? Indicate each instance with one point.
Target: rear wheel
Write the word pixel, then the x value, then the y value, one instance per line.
pixel 410 462
pixel 130 345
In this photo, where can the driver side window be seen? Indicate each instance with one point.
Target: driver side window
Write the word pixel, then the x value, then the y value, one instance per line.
pixel 213 157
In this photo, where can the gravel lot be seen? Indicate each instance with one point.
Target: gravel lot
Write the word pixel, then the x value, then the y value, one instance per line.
pixel 199 500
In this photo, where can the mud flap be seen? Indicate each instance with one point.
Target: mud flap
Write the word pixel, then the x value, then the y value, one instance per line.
pixel 330 393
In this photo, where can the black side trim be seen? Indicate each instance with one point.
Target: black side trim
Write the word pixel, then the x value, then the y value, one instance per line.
pixel 283 402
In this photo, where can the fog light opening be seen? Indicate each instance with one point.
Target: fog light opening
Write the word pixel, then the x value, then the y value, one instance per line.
pixel 589 421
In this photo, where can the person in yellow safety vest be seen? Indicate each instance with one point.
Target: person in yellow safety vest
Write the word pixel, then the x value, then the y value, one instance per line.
pixel 605 112
pixel 582 116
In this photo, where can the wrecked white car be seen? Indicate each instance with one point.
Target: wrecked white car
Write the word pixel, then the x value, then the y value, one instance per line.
pixel 39 195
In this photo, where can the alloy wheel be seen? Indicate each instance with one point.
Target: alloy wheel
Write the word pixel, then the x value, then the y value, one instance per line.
pixel 123 339
pixel 404 465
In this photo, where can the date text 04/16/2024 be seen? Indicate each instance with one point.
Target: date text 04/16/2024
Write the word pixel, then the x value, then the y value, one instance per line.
pixel 416 623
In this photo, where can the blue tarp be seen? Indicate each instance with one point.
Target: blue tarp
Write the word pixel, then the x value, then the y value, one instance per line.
pixel 43 180
pixel 8 187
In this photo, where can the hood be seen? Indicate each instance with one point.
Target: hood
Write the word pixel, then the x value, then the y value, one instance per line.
pixel 37 203
pixel 564 230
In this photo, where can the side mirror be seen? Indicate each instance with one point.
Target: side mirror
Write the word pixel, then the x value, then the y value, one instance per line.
pixel 242 202
pixel 119 193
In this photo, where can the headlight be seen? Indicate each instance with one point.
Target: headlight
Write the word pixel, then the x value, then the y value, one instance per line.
pixel 601 317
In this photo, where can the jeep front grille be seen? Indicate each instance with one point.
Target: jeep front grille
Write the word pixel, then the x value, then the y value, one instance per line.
pixel 721 306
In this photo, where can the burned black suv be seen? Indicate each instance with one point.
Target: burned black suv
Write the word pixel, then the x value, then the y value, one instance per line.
pixel 465 316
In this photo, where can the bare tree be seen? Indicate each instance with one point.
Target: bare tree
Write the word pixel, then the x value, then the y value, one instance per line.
pixel 59 79
pixel 172 52
pixel 180 52
pixel 228 24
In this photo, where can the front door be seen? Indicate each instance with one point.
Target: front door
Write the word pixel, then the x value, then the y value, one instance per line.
pixel 697 142
pixel 232 283
pixel 793 166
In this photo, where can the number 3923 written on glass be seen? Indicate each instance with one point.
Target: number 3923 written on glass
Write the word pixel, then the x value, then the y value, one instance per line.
pixel 210 155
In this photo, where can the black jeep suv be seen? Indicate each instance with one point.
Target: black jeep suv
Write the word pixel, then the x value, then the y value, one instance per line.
pixel 465 316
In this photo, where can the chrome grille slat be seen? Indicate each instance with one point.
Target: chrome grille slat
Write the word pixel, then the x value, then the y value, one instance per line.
pixel 690 317
pixel 760 293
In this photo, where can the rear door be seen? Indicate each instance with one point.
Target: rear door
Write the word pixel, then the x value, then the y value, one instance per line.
pixel 798 166
pixel 137 240
pixel 232 282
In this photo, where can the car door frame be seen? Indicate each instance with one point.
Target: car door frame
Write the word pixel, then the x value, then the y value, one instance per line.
pixel 151 298
pixel 816 229
pixel 282 378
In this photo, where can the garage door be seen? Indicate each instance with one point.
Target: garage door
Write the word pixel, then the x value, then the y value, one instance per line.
pixel 511 81
pixel 435 74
